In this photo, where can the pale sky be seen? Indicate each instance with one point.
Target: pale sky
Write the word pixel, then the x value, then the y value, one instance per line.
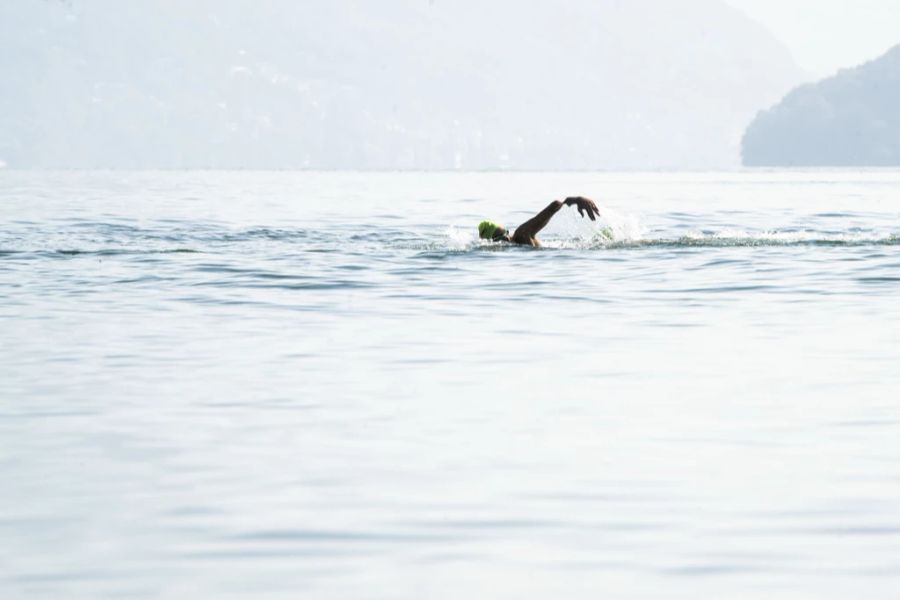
pixel 827 35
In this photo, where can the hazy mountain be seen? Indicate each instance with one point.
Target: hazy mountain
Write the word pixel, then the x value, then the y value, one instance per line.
pixel 852 119
pixel 382 84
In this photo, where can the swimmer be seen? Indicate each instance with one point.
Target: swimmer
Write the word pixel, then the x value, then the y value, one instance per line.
pixel 526 233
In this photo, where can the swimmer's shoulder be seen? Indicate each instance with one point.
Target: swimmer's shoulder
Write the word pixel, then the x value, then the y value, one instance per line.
pixel 524 240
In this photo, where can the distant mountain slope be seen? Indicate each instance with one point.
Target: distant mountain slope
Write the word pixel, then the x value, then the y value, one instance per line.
pixel 852 119
pixel 570 84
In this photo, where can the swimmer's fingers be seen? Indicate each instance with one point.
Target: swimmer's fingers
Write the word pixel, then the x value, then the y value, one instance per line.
pixel 585 205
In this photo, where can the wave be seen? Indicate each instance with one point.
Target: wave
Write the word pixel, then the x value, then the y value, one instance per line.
pixel 608 237
pixel 731 239
pixel 72 252
pixel 625 231
pixel 614 232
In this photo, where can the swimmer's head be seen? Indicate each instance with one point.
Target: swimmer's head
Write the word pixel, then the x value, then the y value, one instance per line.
pixel 488 230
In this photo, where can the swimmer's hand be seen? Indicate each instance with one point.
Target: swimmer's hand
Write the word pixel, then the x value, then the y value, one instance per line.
pixel 584 206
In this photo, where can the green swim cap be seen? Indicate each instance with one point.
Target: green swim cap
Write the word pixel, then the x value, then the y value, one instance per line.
pixel 487 229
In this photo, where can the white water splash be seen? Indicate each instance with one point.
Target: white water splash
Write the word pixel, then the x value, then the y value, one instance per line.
pixel 571 231
pixel 460 238
pixel 620 227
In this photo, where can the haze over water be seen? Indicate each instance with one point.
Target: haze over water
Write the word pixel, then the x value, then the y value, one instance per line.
pixel 321 385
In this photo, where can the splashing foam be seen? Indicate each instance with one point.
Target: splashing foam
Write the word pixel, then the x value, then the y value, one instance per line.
pixel 459 238
pixel 611 228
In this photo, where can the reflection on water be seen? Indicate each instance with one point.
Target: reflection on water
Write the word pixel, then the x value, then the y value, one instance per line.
pixel 322 385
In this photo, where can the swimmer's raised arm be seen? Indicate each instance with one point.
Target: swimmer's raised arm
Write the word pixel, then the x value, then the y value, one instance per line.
pixel 527 232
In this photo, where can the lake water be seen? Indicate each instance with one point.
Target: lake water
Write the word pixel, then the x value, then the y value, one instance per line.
pixel 320 385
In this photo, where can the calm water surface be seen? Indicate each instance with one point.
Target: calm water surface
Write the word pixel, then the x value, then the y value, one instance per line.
pixel 320 385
